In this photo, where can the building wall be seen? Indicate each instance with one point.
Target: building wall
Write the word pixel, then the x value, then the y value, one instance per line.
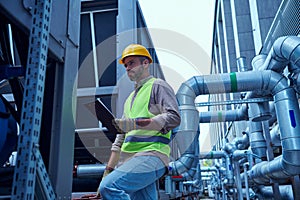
pixel 241 26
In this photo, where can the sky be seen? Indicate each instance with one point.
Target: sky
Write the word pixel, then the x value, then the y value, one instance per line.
pixel 181 31
pixel 187 26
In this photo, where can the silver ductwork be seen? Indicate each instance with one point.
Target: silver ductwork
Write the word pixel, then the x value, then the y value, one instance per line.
pixel 286 105
pixel 188 160
pixel 241 64
pixel 257 140
pixel 259 111
pixel 285 50
pixel 288 164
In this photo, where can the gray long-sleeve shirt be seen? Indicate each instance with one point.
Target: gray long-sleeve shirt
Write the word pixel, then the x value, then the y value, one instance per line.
pixel 163 105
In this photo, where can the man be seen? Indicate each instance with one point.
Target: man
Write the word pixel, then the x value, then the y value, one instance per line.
pixel 150 113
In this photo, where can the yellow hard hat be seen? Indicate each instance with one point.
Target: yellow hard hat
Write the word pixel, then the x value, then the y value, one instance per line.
pixel 135 50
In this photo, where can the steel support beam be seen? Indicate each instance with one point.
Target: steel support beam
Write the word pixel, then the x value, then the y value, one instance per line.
pixel 25 173
pixel 64 106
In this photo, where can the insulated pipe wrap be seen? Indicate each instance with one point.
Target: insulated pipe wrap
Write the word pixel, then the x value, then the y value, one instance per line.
pixel 285 49
pixel 259 111
pixel 288 116
pixel 181 165
pixel 187 130
pixel 289 48
pixel 185 95
pixel 257 140
pixel 224 116
pixel 266 81
pixel 188 127
pixel 287 105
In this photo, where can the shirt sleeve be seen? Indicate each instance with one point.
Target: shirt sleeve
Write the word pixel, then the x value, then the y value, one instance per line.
pixel 163 104
pixel 116 146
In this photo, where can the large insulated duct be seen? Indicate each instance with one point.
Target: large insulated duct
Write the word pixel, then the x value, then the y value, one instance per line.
pixel 288 164
pixel 190 174
pixel 183 166
pixel 257 140
pixel 286 105
pixel 285 50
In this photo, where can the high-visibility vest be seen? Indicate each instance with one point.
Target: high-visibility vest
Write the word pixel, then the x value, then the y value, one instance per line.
pixel 143 140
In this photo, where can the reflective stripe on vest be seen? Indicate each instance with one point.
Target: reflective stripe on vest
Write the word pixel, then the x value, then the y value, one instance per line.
pixel 132 138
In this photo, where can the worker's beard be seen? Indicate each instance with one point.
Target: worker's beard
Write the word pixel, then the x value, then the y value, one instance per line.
pixel 136 74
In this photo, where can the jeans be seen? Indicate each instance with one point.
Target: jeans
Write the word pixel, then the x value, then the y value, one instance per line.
pixel 134 179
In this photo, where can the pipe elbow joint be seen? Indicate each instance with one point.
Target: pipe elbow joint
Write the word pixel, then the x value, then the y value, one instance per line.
pixel 181 165
pixel 291 163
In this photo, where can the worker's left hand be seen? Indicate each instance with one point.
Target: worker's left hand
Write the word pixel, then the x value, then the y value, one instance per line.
pixel 128 124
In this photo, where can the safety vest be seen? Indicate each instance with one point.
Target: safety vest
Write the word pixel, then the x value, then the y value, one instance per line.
pixel 143 140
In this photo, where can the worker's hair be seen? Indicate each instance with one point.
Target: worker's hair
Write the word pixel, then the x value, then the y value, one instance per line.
pixel 142 58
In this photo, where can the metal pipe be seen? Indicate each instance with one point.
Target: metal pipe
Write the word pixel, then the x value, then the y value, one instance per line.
pixel 185 164
pixel 245 166
pixel 237 143
pixel 288 164
pixel 275 136
pixel 267 192
pixel 242 142
pixel 224 116
pixel 285 101
pixel 217 155
pixel 241 63
pixel 285 50
pixel 191 173
pixel 90 170
pixel 238 180
pixel 257 141
pixel 259 112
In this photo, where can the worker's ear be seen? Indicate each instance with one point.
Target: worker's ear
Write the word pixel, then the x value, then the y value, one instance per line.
pixel 146 62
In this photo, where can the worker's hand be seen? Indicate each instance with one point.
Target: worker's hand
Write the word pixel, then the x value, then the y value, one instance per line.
pixel 106 172
pixel 127 124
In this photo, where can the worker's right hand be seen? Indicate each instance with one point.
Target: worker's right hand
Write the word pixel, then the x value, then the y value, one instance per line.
pixel 125 125
pixel 106 172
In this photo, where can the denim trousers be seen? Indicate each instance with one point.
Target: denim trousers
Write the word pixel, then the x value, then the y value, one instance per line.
pixel 135 179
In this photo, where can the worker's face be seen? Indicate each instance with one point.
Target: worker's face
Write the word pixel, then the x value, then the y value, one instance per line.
pixel 135 68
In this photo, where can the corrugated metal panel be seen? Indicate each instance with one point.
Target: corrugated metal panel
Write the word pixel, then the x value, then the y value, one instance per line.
pixel 286 22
